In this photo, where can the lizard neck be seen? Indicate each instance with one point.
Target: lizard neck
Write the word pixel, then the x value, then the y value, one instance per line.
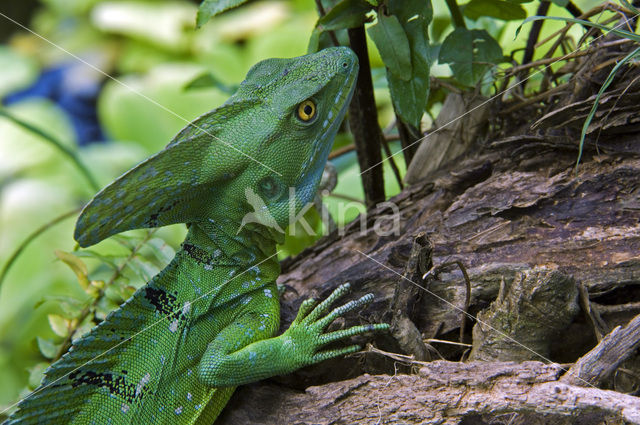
pixel 216 245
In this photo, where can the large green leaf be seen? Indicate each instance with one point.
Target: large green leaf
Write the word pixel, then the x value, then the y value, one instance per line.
pixel 470 54
pixel 393 44
pixel 498 9
pixel 410 96
pixel 210 8
pixel 346 14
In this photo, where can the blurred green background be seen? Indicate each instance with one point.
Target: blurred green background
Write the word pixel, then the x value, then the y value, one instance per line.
pixel 153 48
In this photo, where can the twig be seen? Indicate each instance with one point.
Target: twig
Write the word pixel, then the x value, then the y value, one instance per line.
pixel 332 33
pixel 392 162
pixel 467 297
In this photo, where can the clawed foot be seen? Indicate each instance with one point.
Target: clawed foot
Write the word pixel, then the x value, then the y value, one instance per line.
pixel 307 330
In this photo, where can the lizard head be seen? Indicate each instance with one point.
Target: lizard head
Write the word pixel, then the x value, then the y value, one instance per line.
pixel 309 96
pixel 264 149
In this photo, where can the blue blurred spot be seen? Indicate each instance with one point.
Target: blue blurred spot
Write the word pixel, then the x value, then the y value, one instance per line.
pixel 76 96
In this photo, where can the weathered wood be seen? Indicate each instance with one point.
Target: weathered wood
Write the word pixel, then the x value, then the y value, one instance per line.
pixel 521 323
pixel 406 296
pixel 440 393
pixel 462 118
pixel 599 364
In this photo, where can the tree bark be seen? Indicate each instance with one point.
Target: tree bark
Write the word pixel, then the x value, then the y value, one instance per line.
pixel 536 237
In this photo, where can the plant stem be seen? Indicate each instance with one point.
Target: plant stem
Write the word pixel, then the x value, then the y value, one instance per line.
pixel 363 121
pixel 456 16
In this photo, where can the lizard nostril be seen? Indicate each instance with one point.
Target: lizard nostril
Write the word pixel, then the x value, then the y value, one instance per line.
pixel 344 64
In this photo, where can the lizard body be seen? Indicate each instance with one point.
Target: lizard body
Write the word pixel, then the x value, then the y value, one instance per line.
pixel 174 352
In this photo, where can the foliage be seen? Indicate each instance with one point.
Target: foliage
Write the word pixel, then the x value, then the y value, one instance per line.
pixel 54 292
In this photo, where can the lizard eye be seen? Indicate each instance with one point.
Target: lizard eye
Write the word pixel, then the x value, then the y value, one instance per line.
pixel 307 110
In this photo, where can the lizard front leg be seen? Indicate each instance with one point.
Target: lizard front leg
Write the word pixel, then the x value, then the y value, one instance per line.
pixel 227 363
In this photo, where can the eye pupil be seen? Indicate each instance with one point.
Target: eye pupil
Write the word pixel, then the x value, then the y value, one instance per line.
pixel 306 110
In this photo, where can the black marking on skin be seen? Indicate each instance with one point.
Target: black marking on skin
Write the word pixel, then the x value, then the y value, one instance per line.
pixel 164 302
pixel 198 254
pixel 116 385
pixel 153 218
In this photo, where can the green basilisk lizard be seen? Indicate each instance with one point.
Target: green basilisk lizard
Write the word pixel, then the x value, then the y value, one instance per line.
pixel 174 352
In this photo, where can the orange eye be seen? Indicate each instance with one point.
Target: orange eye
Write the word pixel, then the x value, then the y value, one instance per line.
pixel 307 110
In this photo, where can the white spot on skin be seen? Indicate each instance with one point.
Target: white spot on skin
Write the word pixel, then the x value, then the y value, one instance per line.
pixel 189 396
pixel 173 326
pixel 144 381
pixel 178 410
pixel 330 114
pixel 125 408
pixel 267 293
pixel 198 406
pixel 186 308
pixel 325 123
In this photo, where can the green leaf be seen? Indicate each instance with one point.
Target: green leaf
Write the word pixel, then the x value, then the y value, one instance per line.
pixel 470 54
pixel 162 250
pixel 84 328
pixel 561 3
pixel 106 305
pixel 210 8
pixel 498 9
pixel 59 325
pixel 314 41
pixel 208 80
pixel 108 260
pixel 393 45
pixel 48 348
pixel 75 264
pixel 410 97
pixel 69 307
pixel 36 373
pixel 144 269
pixel 346 14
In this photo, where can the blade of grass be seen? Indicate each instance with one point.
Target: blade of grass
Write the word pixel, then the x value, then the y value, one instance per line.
pixel 58 145
pixel 594 108
pixel 606 29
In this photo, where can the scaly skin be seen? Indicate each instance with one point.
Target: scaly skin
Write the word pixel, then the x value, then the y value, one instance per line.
pixel 174 352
